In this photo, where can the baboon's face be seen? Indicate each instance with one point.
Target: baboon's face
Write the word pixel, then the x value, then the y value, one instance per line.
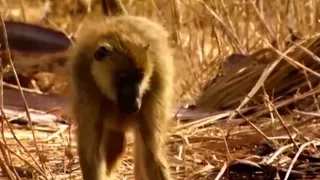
pixel 121 75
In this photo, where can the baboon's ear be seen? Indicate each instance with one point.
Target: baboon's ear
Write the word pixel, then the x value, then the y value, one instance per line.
pixel 101 53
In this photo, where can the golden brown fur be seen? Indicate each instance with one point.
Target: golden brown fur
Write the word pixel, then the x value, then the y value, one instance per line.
pixel 135 43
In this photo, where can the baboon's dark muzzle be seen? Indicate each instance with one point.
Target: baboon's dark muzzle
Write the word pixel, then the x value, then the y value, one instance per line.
pixel 128 98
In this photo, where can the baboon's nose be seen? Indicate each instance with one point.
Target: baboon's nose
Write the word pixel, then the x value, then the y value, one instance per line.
pixel 130 106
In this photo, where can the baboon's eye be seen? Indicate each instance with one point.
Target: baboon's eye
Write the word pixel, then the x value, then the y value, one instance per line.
pixel 101 53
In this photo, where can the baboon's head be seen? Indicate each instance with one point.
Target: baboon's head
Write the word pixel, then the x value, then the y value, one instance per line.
pixel 121 69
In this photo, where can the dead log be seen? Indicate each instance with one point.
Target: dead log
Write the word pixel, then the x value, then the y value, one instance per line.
pixel 228 91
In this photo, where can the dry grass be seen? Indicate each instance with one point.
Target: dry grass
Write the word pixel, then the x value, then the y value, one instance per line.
pixel 204 33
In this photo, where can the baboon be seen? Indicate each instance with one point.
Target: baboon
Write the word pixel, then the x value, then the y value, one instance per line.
pixel 122 79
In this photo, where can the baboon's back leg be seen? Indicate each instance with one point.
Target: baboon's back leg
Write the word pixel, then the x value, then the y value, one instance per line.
pixel 114 148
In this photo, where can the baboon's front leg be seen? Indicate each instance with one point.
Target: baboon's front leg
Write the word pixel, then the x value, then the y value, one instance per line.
pixel 150 160
pixel 89 134
pixel 90 157
pixel 150 157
